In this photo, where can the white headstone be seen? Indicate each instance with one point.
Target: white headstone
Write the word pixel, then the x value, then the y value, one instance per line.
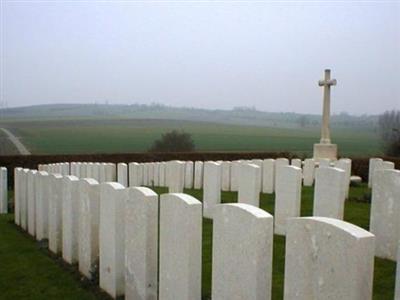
pixel 70 218
pixel 385 212
pixel 212 187
pixel 242 252
pixel 268 176
pixel 287 197
pixel 175 176
pixel 156 174
pixel 280 162
pixel 151 174
pixel 141 244
pixel 102 173
pixel 345 165
pixel 180 247
pixel 198 175
pixel 324 163
pixel 3 191
pixel 112 238
pixel 122 174
pixel 329 193
pixel 111 172
pixel 55 213
pixel 31 193
pixel 135 174
pixel 235 175
pixel 308 172
pixel 163 166
pixel 249 187
pixel 24 199
pixel 89 219
pixel 372 163
pixel 17 195
pixel 328 259
pixel 296 162
pixel 189 176
pixel 42 187
pixel 145 167
pixel 226 176
pixel 259 163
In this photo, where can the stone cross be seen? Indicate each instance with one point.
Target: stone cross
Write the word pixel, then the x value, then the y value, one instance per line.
pixel 326 83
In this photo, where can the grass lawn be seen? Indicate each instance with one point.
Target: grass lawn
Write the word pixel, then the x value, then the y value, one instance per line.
pixel 28 272
pixel 123 136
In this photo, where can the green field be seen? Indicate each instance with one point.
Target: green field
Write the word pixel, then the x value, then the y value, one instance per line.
pixel 27 271
pixel 134 135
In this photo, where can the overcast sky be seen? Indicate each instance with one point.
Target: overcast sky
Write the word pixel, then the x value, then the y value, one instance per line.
pixel 209 54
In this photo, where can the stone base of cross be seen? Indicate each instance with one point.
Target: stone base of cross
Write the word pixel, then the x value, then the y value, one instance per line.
pixel 325 151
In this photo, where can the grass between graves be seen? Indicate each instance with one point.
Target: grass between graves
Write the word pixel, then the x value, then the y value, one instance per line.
pixel 27 271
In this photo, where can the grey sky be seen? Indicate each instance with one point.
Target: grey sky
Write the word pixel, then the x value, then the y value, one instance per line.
pixel 212 54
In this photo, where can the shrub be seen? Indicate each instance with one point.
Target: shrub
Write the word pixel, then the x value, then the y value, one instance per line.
pixel 173 141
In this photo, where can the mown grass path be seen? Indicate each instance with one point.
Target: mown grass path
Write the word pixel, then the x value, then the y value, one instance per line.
pixel 27 271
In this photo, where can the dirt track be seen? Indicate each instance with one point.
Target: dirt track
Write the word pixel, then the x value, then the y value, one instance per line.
pixel 20 147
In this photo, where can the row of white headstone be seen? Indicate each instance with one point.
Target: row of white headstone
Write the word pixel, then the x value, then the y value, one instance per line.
pixel 3 191
pixel 148 247
pixel 191 174
pixel 331 186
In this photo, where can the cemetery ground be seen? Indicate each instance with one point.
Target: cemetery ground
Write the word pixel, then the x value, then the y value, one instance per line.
pixel 74 136
pixel 28 271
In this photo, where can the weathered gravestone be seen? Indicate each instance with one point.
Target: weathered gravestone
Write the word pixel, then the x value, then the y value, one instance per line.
pixel 308 172
pixel 55 213
pixel 141 244
pixel 296 162
pixel 176 176
pixel 329 193
pixel 122 174
pixel 3 191
pixel 17 195
pixel 89 220
pixel 249 187
pixel 70 218
pixel 198 175
pixel 180 247
pixel 42 187
pixel 212 187
pixel 31 201
pixel 287 197
pixel 345 165
pixel 328 259
pixel 235 175
pixel 268 176
pixel 112 238
pixel 225 176
pixel 385 212
pixel 372 163
pixel 24 199
pixel 135 174
pixel 189 176
pixel 242 252
pixel 279 162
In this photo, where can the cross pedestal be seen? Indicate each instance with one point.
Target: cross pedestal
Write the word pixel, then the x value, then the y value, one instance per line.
pixel 325 149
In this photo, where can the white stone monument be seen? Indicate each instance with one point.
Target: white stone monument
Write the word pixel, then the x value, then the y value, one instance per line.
pixel 329 193
pixel 112 238
pixel 325 149
pixel 55 213
pixel 308 172
pixel 287 197
pixel 225 176
pixel 242 252
pixel 385 212
pixel 180 247
pixel 268 177
pixel 249 184
pixel 212 187
pixel 198 175
pixel 42 205
pixel 89 219
pixel 31 200
pixel 328 259
pixel 3 191
pixel 141 244
pixel 189 176
pixel 122 174
pixel 70 218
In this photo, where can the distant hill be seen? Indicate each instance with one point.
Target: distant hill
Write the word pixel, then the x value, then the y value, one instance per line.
pixel 238 116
